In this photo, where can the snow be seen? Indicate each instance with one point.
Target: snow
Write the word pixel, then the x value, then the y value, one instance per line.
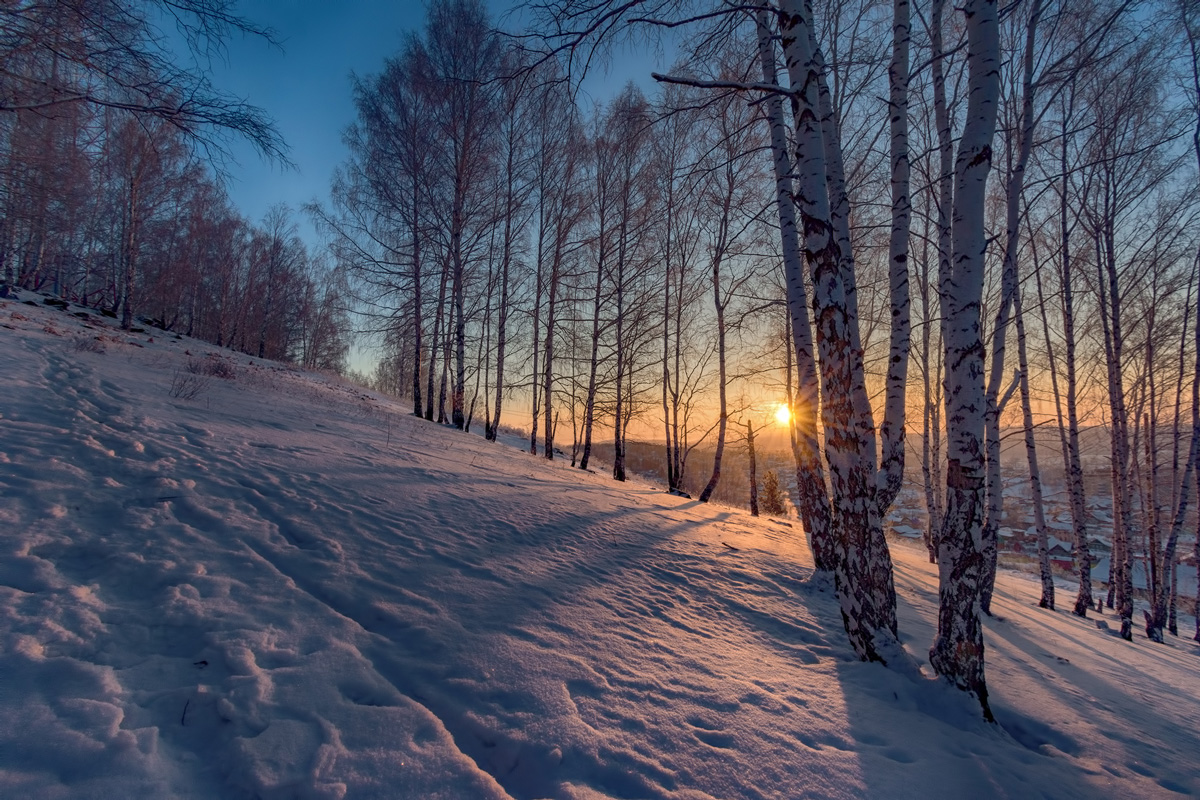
pixel 286 587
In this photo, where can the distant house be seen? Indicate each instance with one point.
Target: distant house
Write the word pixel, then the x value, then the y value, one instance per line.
pixel 1061 553
pixel 907 532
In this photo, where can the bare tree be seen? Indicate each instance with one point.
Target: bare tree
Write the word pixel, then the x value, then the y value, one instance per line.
pixel 110 54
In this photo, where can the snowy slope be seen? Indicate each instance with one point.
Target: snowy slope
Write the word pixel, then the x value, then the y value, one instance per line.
pixel 286 587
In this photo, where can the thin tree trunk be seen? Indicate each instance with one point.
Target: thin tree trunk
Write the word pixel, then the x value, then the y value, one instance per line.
pixel 589 413
pixel 417 309
pixel 1035 474
pixel 1083 557
pixel 1121 586
pixel 1163 597
pixel 1008 292
pixel 537 319
pixel 719 305
pixel 930 419
pixel 502 322
pixel 548 361
pixel 435 347
pixel 753 469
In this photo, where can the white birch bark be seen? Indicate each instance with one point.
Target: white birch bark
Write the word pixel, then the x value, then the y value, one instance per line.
pixel 868 615
pixel 1121 585
pixel 1008 292
pixel 810 478
pixel 958 652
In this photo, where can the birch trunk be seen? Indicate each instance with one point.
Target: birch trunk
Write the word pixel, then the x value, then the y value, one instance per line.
pixel 930 418
pixel 1161 599
pixel 1191 26
pixel 589 412
pixel 435 348
pixel 958 652
pixel 867 602
pixel 945 244
pixel 753 469
pixel 1008 292
pixel 418 344
pixel 537 315
pixel 1083 558
pixel 548 360
pixel 814 508
pixel 460 322
pixel 892 429
pixel 719 246
pixel 1035 474
pixel 493 427
pixel 1121 585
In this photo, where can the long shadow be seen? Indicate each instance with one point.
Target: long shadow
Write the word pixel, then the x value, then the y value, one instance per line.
pixel 934 739
pixel 1143 754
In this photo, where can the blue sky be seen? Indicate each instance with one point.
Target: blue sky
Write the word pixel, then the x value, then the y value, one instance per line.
pixel 305 86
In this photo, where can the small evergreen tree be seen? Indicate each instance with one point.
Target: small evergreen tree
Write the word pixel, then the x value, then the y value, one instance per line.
pixel 772 501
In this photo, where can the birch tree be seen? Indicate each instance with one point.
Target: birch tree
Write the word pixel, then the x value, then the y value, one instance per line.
pixel 958 652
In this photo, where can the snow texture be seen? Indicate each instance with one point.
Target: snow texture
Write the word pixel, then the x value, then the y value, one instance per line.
pixel 287 587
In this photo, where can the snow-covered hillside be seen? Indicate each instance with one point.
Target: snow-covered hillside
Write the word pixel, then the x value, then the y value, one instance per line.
pixel 286 587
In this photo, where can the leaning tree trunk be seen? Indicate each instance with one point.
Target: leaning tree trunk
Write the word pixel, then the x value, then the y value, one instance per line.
pixel 719 305
pixel 1083 557
pixel 958 653
pixel 814 508
pixel 1035 474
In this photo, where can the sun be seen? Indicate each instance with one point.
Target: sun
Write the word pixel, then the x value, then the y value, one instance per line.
pixel 783 414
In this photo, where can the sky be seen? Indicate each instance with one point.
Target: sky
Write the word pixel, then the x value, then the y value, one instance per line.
pixel 304 85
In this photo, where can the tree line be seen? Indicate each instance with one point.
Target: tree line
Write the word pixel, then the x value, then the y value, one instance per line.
pixel 107 197
pixel 757 225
